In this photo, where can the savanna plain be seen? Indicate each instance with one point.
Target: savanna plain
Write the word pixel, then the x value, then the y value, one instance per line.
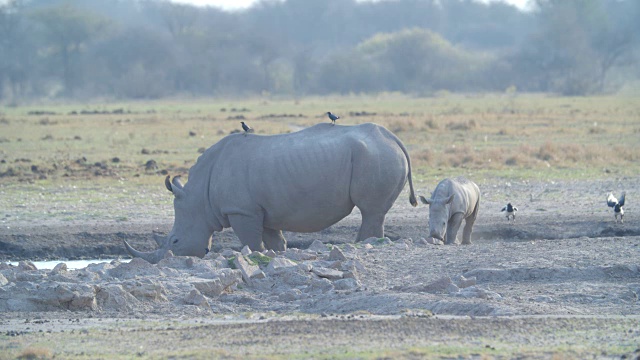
pixel 562 281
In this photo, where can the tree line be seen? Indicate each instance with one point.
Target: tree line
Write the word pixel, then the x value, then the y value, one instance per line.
pixel 152 49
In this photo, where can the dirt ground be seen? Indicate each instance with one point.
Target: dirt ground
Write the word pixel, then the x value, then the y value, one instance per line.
pixel 563 281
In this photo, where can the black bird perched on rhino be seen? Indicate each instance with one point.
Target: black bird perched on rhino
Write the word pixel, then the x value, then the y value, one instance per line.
pixel 246 128
pixel 511 211
pixel 332 117
pixel 617 206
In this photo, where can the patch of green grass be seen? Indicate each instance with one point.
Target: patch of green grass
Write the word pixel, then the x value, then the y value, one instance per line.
pixel 259 259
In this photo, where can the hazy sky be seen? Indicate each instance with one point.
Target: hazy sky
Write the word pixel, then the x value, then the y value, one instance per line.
pixel 239 4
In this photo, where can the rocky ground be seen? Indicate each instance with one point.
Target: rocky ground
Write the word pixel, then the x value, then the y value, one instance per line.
pixel 564 280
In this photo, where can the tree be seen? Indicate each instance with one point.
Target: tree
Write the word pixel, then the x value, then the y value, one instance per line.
pixel 16 47
pixel 66 31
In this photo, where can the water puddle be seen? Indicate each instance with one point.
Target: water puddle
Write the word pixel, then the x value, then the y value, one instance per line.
pixel 71 264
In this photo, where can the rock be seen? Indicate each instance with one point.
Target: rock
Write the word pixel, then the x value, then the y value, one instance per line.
pixel 401 245
pixel 476 292
pixel 227 253
pixel 290 295
pixel 3 280
pixel 452 288
pixel 318 246
pixel 137 267
pixel 439 285
pixel 368 246
pixel 350 251
pixel 146 290
pixel 300 255
pixel 346 284
pixel 462 282
pixel 270 253
pixel 229 277
pixel 305 267
pixel 26 266
pixel 58 269
pixel 294 278
pixel 211 288
pixel 196 298
pixel 336 254
pixel 31 276
pixel 115 297
pixel 434 241
pixel 245 250
pixel 327 273
pixel 279 264
pixel 321 285
pixel 374 241
pixel 249 271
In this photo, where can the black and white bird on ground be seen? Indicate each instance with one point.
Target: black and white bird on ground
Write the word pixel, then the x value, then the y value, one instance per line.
pixel 617 206
pixel 511 211
pixel 332 117
pixel 246 128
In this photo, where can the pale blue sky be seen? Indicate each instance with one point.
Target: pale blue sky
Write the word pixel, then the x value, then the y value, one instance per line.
pixel 240 4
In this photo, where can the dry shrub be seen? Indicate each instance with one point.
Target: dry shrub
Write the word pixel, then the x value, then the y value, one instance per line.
pixel 572 152
pixel 431 124
pixel 402 125
pixel 35 353
pixel 422 157
pixel 597 130
pixel 547 151
pixel 461 125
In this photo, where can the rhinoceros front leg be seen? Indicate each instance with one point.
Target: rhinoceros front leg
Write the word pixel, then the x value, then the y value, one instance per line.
pixel 274 240
pixel 248 229
pixel 372 226
pixel 452 228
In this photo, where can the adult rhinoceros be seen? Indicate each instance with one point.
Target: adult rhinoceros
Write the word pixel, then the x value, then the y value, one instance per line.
pixel 301 182
pixel 452 201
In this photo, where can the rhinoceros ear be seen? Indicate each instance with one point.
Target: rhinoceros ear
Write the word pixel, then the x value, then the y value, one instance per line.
pixel 175 185
pixel 167 183
pixel 425 200
pixel 450 199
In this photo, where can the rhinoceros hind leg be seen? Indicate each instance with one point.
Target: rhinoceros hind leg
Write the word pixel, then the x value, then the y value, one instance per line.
pixel 249 230
pixel 274 240
pixel 372 226
pixel 466 232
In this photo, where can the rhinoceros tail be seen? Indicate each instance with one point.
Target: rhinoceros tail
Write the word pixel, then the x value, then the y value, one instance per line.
pixel 412 194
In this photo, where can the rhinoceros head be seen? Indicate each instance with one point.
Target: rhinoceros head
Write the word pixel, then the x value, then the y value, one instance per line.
pixel 190 235
pixel 438 216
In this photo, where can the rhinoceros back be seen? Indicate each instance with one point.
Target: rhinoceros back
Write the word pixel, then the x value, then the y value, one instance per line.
pixel 303 181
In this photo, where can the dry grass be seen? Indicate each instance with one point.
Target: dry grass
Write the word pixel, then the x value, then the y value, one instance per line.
pixel 492 133
pixel 35 353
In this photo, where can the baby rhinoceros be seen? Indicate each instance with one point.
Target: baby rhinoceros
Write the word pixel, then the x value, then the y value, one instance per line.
pixel 452 201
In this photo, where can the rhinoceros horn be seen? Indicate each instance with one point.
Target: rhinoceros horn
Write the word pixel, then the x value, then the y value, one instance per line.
pixel 160 240
pixel 151 256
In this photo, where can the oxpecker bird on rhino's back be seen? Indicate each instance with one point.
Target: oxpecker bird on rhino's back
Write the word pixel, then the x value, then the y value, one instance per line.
pixel 617 206
pixel 246 128
pixel 304 181
pixel 332 117
pixel 452 201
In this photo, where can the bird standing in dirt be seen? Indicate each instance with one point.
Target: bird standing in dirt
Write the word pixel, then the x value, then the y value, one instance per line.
pixel 511 211
pixel 332 117
pixel 617 206
pixel 246 128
